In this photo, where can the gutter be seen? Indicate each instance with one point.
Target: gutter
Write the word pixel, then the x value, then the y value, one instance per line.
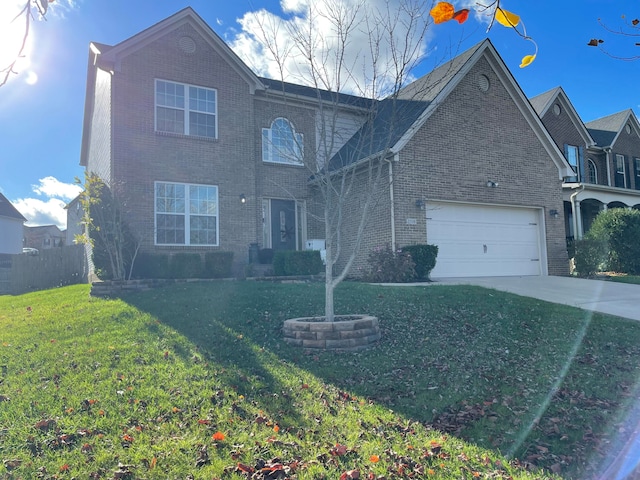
pixel 607 151
pixel 392 202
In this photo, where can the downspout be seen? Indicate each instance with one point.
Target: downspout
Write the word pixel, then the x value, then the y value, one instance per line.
pixel 392 202
pixel 607 151
pixel 577 223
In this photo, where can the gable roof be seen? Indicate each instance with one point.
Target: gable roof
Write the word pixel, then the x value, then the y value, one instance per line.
pixel 543 102
pixel 112 56
pixel 389 121
pixel 108 57
pixel 605 130
pixel 7 210
pixel 420 99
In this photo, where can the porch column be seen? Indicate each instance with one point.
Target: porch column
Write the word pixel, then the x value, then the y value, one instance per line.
pixel 577 220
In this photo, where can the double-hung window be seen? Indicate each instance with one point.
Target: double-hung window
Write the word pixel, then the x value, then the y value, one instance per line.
pixel 281 143
pixel 186 214
pixel 636 162
pixel 572 154
pixel 186 109
pixel 621 172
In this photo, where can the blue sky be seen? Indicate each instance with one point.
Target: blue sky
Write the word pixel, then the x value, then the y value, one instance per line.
pixel 41 109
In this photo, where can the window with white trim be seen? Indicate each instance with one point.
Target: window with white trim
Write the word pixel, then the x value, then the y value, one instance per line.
pixel 621 172
pixel 572 154
pixel 186 109
pixel 281 143
pixel 593 172
pixel 186 214
pixel 636 162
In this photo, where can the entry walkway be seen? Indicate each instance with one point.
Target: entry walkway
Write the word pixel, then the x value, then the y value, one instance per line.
pixel 614 298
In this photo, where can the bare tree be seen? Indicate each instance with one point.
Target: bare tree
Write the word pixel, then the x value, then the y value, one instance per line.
pixel 26 14
pixel 369 49
pixel 629 29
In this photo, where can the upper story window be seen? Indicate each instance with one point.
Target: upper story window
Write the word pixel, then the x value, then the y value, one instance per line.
pixel 636 162
pixel 621 172
pixel 593 172
pixel 572 154
pixel 186 109
pixel 281 143
pixel 186 214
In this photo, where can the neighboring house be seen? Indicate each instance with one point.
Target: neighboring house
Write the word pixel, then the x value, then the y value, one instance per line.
pixel 207 156
pixel 44 237
pixel 605 157
pixel 74 218
pixel 11 224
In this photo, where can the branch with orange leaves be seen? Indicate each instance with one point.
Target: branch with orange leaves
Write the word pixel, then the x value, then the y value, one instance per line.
pixel 445 11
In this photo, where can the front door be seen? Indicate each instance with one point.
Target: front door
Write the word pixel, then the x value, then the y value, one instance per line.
pixel 283 224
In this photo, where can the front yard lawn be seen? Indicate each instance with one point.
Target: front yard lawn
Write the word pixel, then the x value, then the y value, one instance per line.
pixel 195 381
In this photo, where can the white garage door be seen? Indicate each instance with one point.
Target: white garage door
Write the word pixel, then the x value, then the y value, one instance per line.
pixel 482 240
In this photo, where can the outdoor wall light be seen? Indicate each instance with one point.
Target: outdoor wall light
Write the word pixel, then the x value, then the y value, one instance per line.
pixel 554 213
pixel 420 204
pixel 243 198
pixel 492 184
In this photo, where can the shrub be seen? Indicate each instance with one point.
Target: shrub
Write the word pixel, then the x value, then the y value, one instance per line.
pixel 619 230
pixel 265 255
pixel 218 264
pixel 151 265
pixel 387 266
pixel 292 262
pixel 424 257
pixel 185 265
pixel 590 256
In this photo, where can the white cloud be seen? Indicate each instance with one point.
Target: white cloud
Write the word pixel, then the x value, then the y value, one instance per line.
pixel 48 211
pixel 42 212
pixel 275 44
pixel 52 187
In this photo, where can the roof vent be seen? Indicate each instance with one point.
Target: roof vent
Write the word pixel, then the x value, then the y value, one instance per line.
pixel 187 45
pixel 483 83
pixel 556 109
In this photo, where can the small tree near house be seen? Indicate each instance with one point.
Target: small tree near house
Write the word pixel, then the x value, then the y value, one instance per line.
pixel 113 244
pixel 351 163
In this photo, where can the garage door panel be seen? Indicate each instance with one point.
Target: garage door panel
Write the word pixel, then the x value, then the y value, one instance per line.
pixel 478 240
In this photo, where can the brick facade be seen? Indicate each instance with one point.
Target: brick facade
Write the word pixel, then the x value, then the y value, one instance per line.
pixel 471 137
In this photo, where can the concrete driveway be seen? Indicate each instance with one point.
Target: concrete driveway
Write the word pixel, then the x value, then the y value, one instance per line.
pixel 614 298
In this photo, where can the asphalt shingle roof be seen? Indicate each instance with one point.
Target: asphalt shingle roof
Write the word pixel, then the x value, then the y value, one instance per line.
pixel 604 130
pixel 7 210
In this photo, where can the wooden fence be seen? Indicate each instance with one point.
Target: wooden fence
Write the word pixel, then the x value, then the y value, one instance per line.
pixel 53 267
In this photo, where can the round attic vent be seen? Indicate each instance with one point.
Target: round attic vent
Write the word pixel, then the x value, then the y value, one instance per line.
pixel 627 128
pixel 483 83
pixel 187 45
pixel 556 109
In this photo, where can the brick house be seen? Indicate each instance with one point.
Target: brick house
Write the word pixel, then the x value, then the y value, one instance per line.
pixel 604 155
pixel 44 237
pixel 208 156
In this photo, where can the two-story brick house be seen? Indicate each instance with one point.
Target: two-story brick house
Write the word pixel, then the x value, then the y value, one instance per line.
pixel 604 154
pixel 206 155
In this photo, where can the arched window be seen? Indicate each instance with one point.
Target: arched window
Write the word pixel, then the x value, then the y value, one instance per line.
pixel 592 171
pixel 281 143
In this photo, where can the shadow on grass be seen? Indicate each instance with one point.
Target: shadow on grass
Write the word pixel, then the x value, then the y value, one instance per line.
pixel 534 380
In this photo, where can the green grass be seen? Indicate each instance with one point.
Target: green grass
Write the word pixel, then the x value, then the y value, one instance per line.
pixel 137 387
pixel 635 279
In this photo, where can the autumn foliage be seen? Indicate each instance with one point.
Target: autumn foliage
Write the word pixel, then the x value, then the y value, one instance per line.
pixel 444 11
